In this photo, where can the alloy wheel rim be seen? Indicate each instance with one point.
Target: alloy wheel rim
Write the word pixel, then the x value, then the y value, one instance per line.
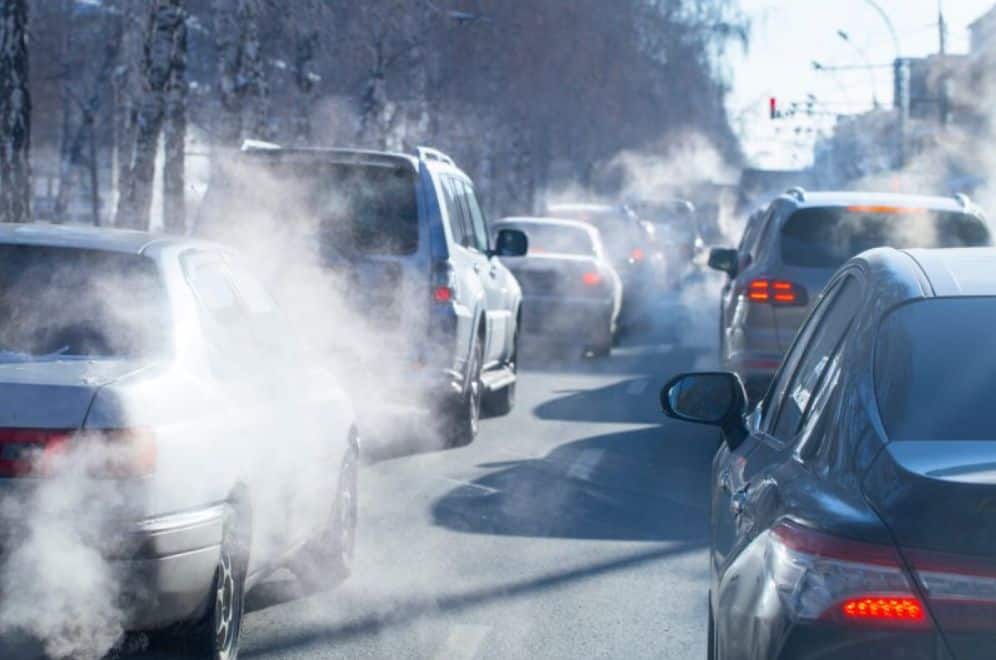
pixel 224 609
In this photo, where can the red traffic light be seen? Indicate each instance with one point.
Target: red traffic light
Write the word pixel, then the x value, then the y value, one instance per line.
pixel 773 107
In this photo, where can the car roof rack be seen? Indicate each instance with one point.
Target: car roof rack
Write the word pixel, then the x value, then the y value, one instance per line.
pixel 428 153
pixel 963 199
pixel 798 192
pixel 259 145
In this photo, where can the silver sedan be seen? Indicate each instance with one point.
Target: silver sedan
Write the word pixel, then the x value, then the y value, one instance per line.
pixel 159 425
pixel 571 294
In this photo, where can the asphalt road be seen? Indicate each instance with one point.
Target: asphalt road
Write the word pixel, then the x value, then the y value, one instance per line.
pixel 576 527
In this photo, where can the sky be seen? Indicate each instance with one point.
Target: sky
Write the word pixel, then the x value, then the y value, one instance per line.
pixel 788 35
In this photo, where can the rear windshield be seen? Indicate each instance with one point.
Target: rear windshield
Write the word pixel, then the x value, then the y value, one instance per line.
pixel 827 237
pixel 620 233
pixel 63 302
pixel 558 239
pixel 354 209
pixel 935 379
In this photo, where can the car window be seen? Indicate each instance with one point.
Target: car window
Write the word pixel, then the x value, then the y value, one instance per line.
pixel 815 421
pixel 763 233
pixel 934 376
pixel 816 358
pixel 214 290
pixel 459 226
pixel 749 238
pixel 478 224
pixel 773 398
pixel 827 237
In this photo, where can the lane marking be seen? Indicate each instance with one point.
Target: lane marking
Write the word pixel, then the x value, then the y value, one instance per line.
pixel 463 643
pixel 585 465
pixel 638 387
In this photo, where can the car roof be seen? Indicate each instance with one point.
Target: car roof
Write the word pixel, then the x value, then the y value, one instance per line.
pixel 958 271
pixel 83 237
pixel 588 208
pixel 849 198
pixel 574 224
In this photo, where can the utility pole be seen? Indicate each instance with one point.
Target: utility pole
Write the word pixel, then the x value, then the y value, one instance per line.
pixel 942 28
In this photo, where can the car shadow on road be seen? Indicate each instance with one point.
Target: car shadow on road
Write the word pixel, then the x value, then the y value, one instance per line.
pixel 649 484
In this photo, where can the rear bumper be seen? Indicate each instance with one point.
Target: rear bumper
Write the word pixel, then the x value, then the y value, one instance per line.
pixel 168 573
pixel 551 316
pixel 837 643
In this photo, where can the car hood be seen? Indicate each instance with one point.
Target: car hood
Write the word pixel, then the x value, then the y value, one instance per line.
pixel 54 393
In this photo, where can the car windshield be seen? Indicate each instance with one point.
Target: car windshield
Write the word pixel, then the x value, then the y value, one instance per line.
pixel 828 237
pixel 932 378
pixel 355 209
pixel 558 239
pixel 64 302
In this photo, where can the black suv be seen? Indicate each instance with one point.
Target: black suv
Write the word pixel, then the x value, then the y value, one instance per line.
pixel 408 241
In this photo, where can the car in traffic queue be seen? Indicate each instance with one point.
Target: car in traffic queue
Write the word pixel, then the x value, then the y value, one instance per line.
pixel 852 508
pixel 676 238
pixel 408 235
pixel 159 371
pixel 629 245
pixel 571 294
pixel 789 251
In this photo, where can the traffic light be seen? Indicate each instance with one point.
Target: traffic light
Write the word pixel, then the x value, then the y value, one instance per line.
pixel 773 107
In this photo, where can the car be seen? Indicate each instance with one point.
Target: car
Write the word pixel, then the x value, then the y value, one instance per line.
pixel 571 294
pixel 789 251
pixel 157 412
pixel 409 240
pixel 852 508
pixel 677 238
pixel 629 245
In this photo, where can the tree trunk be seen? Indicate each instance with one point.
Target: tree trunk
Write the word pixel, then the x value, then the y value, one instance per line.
pixel 128 86
pixel 175 137
pixel 162 45
pixel 227 45
pixel 15 113
pixel 256 122
pixel 305 26
pixel 67 135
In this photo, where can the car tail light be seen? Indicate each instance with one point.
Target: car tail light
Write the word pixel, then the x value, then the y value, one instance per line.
pixel 442 294
pixel 828 578
pixel 776 292
pixel 637 255
pixel 443 283
pixel 961 590
pixel 591 279
pixel 103 454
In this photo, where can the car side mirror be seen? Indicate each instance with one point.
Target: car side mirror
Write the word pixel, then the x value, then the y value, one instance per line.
pixel 712 398
pixel 511 243
pixel 724 260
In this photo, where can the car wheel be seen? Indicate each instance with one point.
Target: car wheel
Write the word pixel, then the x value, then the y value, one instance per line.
pixel 602 345
pixel 463 420
pixel 500 403
pixel 328 558
pixel 216 635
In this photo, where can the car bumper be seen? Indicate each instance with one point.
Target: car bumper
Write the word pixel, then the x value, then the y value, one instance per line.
pixel 168 571
pixel 566 317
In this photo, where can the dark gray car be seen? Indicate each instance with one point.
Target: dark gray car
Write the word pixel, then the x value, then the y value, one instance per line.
pixel 790 250
pixel 160 425
pixel 852 510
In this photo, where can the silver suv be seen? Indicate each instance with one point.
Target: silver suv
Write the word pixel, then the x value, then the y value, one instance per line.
pixel 790 250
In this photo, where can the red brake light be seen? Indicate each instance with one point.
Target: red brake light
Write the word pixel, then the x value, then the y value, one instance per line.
pixel 591 279
pixel 886 210
pixel 442 294
pixel 27 452
pixel 104 454
pixel 778 292
pixel 637 255
pixel 885 608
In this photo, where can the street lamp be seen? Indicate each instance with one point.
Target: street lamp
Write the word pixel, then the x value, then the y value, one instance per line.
pixel 867 63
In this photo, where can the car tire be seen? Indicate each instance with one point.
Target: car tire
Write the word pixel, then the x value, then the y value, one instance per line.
pixel 216 635
pixel 501 402
pixel 602 345
pixel 327 559
pixel 462 421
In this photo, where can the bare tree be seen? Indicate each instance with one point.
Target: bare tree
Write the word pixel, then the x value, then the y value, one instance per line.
pixel 163 47
pixel 175 134
pixel 15 113
pixel 242 82
pixel 128 84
